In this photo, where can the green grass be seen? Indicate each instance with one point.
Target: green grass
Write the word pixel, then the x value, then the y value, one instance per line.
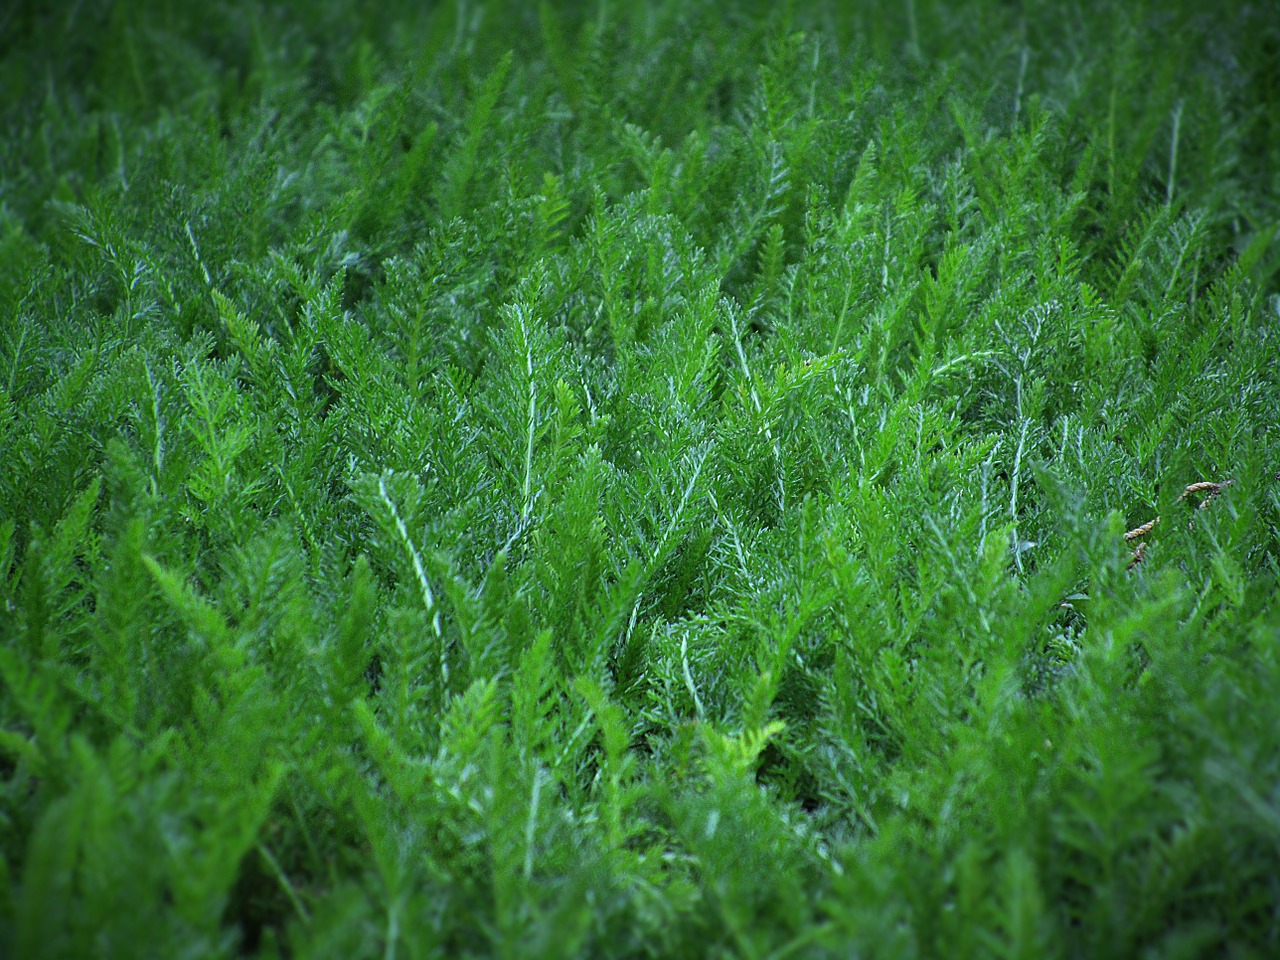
pixel 496 479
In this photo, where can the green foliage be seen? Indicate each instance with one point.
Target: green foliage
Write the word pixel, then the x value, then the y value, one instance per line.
pixel 497 479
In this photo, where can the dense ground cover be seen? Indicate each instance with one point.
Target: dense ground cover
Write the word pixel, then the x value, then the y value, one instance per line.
pixel 558 480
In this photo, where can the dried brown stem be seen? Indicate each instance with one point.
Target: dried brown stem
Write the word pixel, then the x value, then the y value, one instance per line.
pixel 1138 533
pixel 1209 488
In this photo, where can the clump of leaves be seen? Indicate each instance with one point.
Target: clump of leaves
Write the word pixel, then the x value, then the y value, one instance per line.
pixel 539 481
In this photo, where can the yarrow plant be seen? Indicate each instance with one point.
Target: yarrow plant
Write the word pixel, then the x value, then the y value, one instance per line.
pixel 495 479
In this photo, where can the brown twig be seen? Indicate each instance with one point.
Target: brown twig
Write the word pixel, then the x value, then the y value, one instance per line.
pixel 1137 533
pixel 1205 489
pixel 1209 488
